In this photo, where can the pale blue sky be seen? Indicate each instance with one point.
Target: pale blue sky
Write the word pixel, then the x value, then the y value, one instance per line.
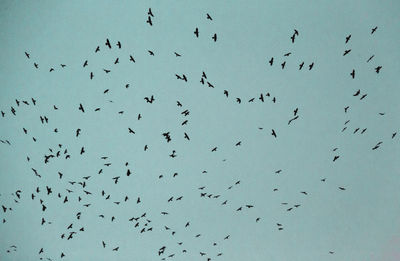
pixel 359 223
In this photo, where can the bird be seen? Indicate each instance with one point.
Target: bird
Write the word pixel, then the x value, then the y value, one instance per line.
pixel 81 107
pixel 149 21
pixel 311 66
pixel 196 32
pixel 348 38
pixel 150 12
pixel 353 73
pixel 214 37
pixel 273 133
pixel 374 29
pixel 377 69
pixel 108 43
pixel 346 52
pixel 301 66
pixel 271 61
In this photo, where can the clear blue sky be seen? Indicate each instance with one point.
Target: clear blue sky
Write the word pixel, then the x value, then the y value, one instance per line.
pixel 361 222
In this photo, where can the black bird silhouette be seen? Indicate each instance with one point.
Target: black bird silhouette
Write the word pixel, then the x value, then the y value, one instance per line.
pixel 283 64
pixel 377 69
pixel 81 107
pixel 209 17
pixel 149 21
pixel 119 45
pixel 108 43
pixel 27 55
pixel 150 12
pixel 295 118
pixel 151 52
pixel 97 49
pixel 311 66
pixel 214 37
pixel 348 38
pixel 374 29
pixel 186 136
pixel 346 52
pixel 273 133
pixel 196 32
pixel 149 100
pixel 271 61
pixel 370 58
pixel 357 93
pixel 301 66
pixel 353 73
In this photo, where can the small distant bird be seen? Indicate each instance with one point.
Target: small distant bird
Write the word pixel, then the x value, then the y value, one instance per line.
pixel 370 58
pixel 209 17
pixel 311 66
pixel 273 133
pixel 374 29
pixel 377 69
pixel 150 13
pixel 353 73
pixel 301 66
pixel 214 37
pixel 81 107
pixel 149 21
pixel 271 61
pixel 348 38
pixel 27 55
pixel 346 52
pixel 196 32
pixel 108 43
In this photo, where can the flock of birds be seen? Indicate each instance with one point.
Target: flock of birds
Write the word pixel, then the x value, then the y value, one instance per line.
pixel 76 189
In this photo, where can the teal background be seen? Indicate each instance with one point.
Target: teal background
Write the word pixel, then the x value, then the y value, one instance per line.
pixel 360 223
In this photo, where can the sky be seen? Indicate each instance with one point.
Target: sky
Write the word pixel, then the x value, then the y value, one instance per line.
pixel 361 221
